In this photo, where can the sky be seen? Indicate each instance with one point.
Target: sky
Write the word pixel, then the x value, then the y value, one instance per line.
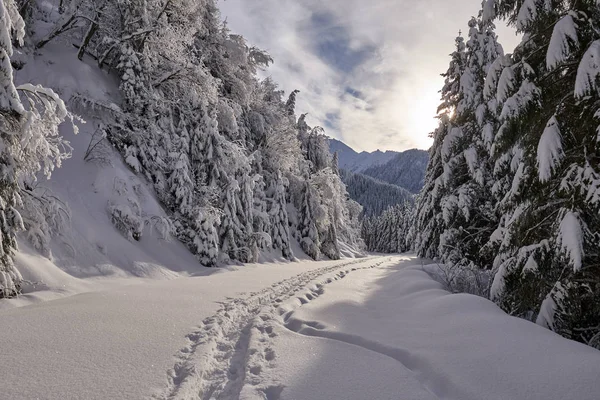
pixel 368 71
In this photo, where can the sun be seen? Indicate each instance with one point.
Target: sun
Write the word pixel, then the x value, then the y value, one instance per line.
pixel 420 115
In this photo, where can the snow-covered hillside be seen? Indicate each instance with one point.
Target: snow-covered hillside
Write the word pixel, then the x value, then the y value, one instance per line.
pixel 407 170
pixel 232 177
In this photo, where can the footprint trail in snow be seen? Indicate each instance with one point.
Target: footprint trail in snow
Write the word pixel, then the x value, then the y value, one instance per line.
pixel 227 354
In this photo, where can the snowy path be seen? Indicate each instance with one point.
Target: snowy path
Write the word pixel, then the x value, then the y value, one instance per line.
pixel 118 339
pixel 225 351
pixel 374 328
pixel 391 332
pixel 378 329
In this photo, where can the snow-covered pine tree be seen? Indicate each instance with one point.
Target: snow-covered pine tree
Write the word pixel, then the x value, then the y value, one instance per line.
pixel 180 177
pixel 338 219
pixel 261 238
pixel 280 230
pixel 548 268
pixel 290 105
pixel 429 217
pixel 199 232
pixel 335 163
pixel 307 228
pixel 317 150
pixel 29 143
pixel 468 212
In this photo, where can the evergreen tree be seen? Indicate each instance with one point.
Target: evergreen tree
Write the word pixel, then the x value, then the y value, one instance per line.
pixel 468 212
pixel 390 231
pixel 429 217
pixel 309 234
pixel 374 196
pixel 279 217
pixel 548 268
pixel 290 105
pixel 335 164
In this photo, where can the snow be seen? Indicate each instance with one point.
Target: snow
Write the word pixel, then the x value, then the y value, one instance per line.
pixel 588 71
pixel 473 163
pixel 506 82
pixel 548 308
pixel 518 103
pixel 571 239
pixel 116 341
pixel 489 10
pixel 454 134
pixel 527 14
pixel 369 328
pixel 398 312
pixel 564 39
pixel 550 150
pixel 531 265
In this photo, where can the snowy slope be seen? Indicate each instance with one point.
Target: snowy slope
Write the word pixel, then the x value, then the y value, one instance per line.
pixel 91 245
pixel 406 170
pixel 376 328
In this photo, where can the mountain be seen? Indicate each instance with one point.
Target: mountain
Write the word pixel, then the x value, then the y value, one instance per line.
pixel 353 161
pixel 406 169
pixel 375 196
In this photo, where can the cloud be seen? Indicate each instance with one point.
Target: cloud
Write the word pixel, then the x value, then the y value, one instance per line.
pixel 368 72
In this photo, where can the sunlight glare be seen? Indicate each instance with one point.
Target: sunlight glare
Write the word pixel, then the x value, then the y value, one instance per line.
pixel 421 116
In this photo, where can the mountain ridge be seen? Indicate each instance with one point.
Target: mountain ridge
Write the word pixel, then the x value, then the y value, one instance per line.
pixel 354 161
pixel 404 169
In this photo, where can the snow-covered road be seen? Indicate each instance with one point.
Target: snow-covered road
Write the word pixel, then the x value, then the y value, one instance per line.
pixel 374 328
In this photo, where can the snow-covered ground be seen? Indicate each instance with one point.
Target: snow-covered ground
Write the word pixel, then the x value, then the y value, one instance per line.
pixel 373 328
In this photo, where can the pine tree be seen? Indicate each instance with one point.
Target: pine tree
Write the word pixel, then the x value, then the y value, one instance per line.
pixel 290 105
pixel 309 234
pixel 335 163
pixel 279 217
pixel 429 217
pixel 389 232
pixel 548 268
pixel 261 238
pixel 468 212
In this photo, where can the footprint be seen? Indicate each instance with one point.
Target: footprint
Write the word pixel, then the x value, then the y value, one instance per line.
pixel 273 392
pixel 270 354
pixel 256 370
pixel 302 300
